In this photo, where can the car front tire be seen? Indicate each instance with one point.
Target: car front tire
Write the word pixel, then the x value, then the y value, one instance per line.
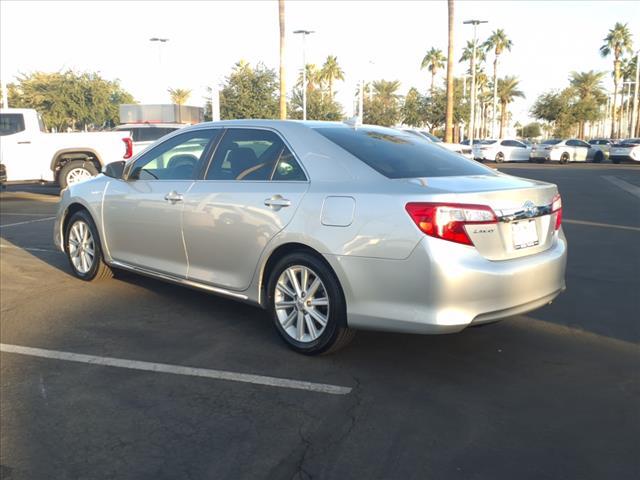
pixel 564 158
pixel 83 249
pixel 307 305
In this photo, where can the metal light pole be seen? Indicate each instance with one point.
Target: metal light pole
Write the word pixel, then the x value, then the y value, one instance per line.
pixel 625 111
pixel 304 34
pixel 634 115
pixel 5 93
pixel 160 41
pixel 472 120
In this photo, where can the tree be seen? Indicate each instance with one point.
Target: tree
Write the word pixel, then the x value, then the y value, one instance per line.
pixel 531 130
pixel 283 84
pixel 69 99
pixel 507 92
pixel 413 109
pixel 617 42
pixel 433 61
pixel 331 72
pixel 467 54
pixel 384 106
pixel 590 96
pixel 250 93
pixel 498 42
pixel 555 107
pixel 448 136
pixel 179 96
pixel 314 78
pixel 319 106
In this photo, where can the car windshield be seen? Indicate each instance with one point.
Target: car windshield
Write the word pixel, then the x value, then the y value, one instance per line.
pixel 400 155
pixel 552 141
pixel 631 141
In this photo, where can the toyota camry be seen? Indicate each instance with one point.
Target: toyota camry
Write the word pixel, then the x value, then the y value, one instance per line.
pixel 330 227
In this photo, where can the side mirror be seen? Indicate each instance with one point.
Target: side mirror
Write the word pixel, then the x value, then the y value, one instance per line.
pixel 114 169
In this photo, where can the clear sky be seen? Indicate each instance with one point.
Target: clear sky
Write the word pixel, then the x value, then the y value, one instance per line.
pixel 206 38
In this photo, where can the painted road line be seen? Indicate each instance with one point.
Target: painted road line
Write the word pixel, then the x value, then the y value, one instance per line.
pixel 176 369
pixel 27 221
pixel 603 225
pixel 4 214
pixel 626 186
pixel 28 249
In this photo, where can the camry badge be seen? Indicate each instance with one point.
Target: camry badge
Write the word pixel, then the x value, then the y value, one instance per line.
pixel 530 209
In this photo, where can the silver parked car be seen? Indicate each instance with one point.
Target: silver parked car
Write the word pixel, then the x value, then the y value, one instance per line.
pixel 502 150
pixel 330 227
pixel 565 151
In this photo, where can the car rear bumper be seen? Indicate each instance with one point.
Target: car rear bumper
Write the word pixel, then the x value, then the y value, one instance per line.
pixel 443 287
pixel 623 158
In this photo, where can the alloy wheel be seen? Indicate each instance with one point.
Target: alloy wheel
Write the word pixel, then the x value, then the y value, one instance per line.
pixel 77 175
pixel 301 302
pixel 81 247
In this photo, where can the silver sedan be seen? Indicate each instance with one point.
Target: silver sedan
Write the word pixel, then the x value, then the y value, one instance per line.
pixel 328 226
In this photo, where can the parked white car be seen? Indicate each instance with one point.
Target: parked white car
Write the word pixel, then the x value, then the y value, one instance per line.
pixel 463 150
pixel 145 134
pixel 564 151
pixel 501 150
pixel 28 153
pixel 628 149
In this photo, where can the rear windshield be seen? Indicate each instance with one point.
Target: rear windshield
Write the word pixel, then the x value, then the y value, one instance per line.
pixel 552 141
pixel 148 134
pixel 632 141
pixel 401 155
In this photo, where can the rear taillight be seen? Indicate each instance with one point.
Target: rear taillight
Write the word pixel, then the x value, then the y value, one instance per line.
pixel 447 220
pixel 556 207
pixel 128 147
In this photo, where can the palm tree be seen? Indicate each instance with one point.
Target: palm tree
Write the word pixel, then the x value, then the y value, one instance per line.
pixel 283 85
pixel 179 96
pixel 314 79
pixel 330 72
pixel 617 42
pixel 507 92
pixel 448 135
pixel 587 86
pixel 386 90
pixel 498 42
pixel 433 61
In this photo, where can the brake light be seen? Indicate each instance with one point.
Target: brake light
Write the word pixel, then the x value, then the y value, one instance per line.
pixel 447 220
pixel 128 147
pixel 556 207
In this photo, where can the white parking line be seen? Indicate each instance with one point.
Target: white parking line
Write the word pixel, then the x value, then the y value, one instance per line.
pixel 12 214
pixel 604 225
pixel 626 186
pixel 28 249
pixel 27 221
pixel 176 369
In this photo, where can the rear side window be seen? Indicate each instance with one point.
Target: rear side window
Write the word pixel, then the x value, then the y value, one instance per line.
pixel 151 134
pixel 253 154
pixel 397 154
pixel 512 143
pixel 11 123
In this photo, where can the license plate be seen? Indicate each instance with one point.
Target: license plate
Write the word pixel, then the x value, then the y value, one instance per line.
pixel 524 234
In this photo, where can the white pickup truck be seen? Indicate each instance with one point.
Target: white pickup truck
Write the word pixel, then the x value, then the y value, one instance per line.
pixel 28 153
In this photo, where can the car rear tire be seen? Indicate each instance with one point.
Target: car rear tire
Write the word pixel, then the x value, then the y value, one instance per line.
pixel 76 171
pixel 564 158
pixel 83 249
pixel 307 305
pixel 499 157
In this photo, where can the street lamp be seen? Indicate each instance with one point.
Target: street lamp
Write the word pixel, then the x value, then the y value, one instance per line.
pixel 628 128
pixel 304 34
pixel 160 42
pixel 634 114
pixel 472 121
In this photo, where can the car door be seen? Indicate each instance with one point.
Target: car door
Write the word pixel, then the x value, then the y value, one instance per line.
pixel 143 212
pixel 578 151
pixel 249 193
pixel 17 149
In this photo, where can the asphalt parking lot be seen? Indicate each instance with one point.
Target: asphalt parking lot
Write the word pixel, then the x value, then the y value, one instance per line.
pixel 554 394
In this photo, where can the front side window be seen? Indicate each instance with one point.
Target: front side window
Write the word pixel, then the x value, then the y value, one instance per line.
pixel 397 154
pixel 11 123
pixel 253 154
pixel 174 159
pixel 512 143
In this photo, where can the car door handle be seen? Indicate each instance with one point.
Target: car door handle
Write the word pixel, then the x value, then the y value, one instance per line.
pixel 26 142
pixel 277 202
pixel 173 197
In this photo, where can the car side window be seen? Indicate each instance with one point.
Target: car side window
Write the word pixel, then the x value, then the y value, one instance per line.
pixel 174 159
pixel 11 123
pixel 287 168
pixel 571 143
pixel 250 154
pixel 511 143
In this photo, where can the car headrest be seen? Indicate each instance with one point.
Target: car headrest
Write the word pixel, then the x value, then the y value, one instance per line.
pixel 240 159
